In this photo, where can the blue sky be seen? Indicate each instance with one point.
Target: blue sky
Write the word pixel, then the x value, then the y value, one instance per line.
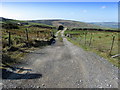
pixel 79 11
pixel 60 0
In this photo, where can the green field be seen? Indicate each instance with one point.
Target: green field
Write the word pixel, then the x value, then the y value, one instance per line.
pixel 99 42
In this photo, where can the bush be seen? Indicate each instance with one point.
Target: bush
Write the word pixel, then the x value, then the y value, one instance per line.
pixel 10 26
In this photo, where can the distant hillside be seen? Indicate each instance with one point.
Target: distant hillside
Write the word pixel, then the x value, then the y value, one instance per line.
pixel 2 19
pixel 66 23
pixel 55 22
pixel 106 24
pixel 25 23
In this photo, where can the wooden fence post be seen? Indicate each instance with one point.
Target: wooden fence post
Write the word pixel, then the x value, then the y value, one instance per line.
pixel 85 37
pixel 90 39
pixel 27 35
pixel 37 34
pixel 112 45
pixel 9 41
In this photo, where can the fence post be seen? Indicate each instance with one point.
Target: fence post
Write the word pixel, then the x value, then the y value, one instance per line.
pixel 85 37
pixel 27 37
pixel 112 45
pixel 37 34
pixel 90 39
pixel 9 41
pixel 27 34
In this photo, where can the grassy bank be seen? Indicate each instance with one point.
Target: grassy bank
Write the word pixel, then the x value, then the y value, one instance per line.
pixel 17 42
pixel 98 42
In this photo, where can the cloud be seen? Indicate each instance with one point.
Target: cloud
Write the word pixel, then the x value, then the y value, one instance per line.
pixel 103 7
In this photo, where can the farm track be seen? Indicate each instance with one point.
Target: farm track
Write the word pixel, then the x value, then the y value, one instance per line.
pixel 64 65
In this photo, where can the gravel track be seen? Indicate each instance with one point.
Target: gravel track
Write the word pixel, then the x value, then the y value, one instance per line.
pixel 65 65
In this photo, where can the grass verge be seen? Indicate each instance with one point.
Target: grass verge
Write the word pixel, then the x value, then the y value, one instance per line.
pixel 114 61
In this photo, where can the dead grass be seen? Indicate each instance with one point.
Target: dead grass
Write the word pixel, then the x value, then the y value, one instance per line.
pixel 22 45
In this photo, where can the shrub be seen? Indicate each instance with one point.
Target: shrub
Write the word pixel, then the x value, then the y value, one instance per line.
pixel 10 26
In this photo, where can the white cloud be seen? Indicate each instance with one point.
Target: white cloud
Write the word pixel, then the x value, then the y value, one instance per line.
pixel 103 7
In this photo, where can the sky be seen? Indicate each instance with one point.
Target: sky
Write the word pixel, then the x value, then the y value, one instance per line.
pixel 78 11
pixel 60 0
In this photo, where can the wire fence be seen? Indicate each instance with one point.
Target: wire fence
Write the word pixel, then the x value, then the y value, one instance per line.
pixel 16 36
pixel 106 42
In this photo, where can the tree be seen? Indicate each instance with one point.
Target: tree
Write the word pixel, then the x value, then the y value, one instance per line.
pixel 60 27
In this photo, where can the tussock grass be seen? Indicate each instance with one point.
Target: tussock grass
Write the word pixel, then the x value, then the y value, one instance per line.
pixel 19 43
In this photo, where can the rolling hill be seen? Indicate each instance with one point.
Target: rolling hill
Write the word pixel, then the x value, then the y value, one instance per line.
pixel 23 23
pixel 66 23
pixel 57 22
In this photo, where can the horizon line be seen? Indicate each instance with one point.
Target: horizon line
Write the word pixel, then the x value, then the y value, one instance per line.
pixel 56 19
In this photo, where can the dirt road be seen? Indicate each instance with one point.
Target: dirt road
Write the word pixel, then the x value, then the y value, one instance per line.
pixel 64 65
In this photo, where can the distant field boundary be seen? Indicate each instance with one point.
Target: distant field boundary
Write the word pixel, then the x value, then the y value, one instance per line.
pixel 92 29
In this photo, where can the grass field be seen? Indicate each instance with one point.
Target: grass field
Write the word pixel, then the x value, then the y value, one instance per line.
pixel 99 42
